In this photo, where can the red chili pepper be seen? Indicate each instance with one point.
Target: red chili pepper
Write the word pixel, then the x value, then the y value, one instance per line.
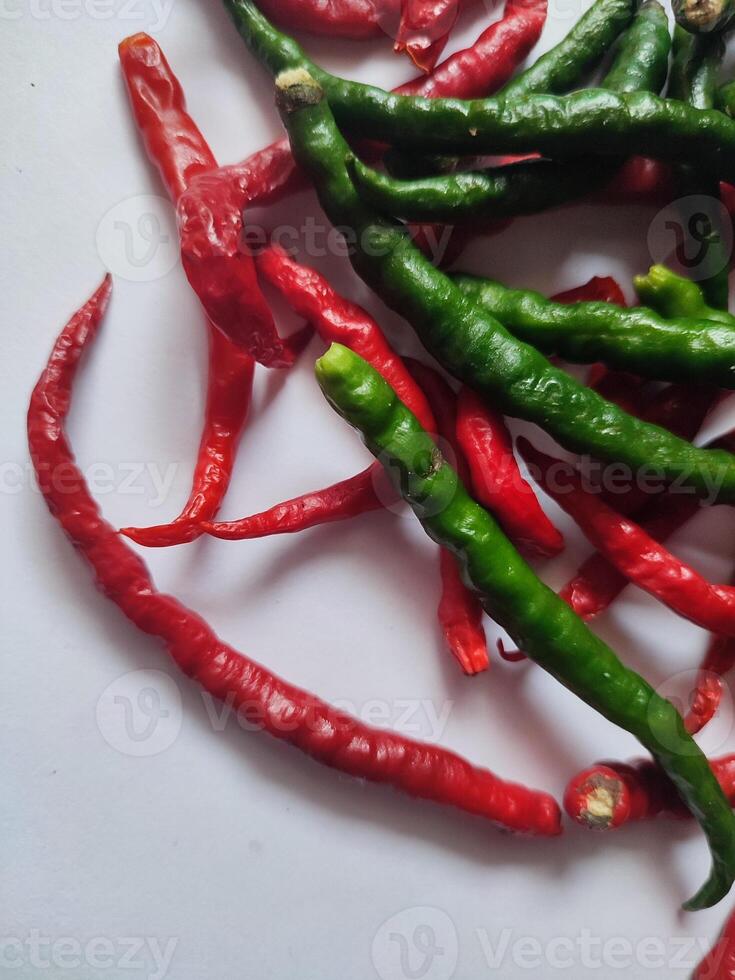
pixel 719 963
pixel 489 63
pixel 424 30
pixel 610 794
pixel 681 409
pixel 598 289
pixel 175 144
pixel 285 712
pixel 707 697
pixel 337 319
pixel 210 220
pixel 460 612
pixel 497 481
pixel 633 551
pixel 479 70
pixel 356 20
pixel 228 402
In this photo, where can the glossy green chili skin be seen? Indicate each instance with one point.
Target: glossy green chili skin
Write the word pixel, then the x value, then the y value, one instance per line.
pixel 586 44
pixel 553 635
pixel 470 343
pixel 672 295
pixel 694 76
pixel 641 64
pixel 633 339
pixel 642 60
pixel 592 121
pixel 516 189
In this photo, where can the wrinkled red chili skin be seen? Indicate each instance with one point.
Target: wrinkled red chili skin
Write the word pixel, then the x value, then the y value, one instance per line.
pixel 271 174
pixel 285 712
pixel 460 612
pixel 497 481
pixel 610 794
pixel 337 319
pixel 709 690
pixel 356 20
pixel 221 273
pixel 633 551
pixel 424 30
pixel 719 963
pixel 176 146
pixel 489 63
pixel 682 409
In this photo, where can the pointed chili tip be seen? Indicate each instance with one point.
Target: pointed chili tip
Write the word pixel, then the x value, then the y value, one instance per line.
pixel 296 89
pixel 104 291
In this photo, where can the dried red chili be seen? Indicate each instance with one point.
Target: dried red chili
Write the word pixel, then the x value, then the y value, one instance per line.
pixel 719 963
pixel 338 319
pixel 610 794
pixel 460 612
pixel 283 711
pixel 497 481
pixel 210 222
pixel 489 63
pixel 356 20
pixel 424 30
pixel 707 697
pixel 644 561
pixel 682 409
pixel 176 146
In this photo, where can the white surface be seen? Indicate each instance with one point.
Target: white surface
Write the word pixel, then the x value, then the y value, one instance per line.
pixel 252 861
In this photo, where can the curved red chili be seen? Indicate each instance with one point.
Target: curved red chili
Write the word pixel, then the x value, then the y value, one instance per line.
pixel 176 146
pixel 357 20
pixel 285 712
pixel 489 63
pixel 719 963
pixel 424 30
pixel 610 794
pixel 633 551
pixel 338 319
pixel 210 221
pixel 497 481
pixel 460 611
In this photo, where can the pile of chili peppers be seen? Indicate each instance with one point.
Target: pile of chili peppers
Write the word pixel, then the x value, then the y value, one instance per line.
pixel 441 437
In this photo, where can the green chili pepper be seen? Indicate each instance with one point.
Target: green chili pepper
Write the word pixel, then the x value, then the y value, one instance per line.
pixel 695 68
pixel 587 43
pixel 672 295
pixel 725 99
pixel 536 618
pixel 642 60
pixel 530 187
pixel 637 340
pixel 591 121
pixel 694 75
pixel 704 16
pixel 557 71
pixel 473 195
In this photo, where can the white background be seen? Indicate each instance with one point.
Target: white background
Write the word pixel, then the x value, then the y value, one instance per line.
pixel 256 862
